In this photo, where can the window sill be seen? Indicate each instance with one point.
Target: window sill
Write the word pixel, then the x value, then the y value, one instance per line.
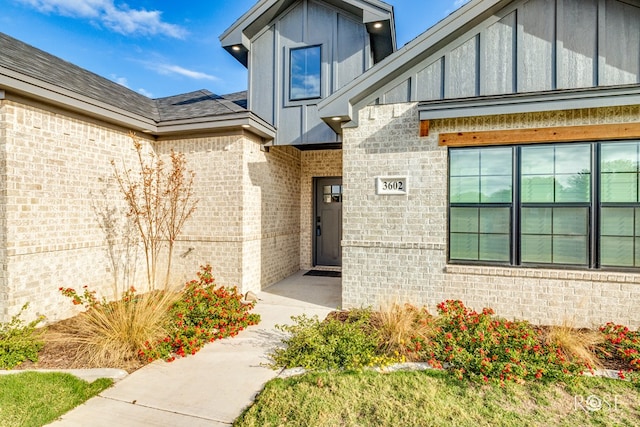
pixel 544 273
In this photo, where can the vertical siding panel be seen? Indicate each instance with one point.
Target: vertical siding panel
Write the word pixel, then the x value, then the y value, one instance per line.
pixel 429 82
pixel 317 131
pixel 461 72
pixel 262 76
pixel 400 93
pixel 536 40
pixel 496 54
pixel 622 44
pixel 291 129
pixel 577 43
pixel 351 53
pixel 291 26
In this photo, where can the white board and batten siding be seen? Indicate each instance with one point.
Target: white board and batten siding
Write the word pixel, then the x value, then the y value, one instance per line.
pixel 531 46
pixel 346 54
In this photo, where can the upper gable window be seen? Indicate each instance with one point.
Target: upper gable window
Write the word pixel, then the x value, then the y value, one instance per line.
pixel 304 72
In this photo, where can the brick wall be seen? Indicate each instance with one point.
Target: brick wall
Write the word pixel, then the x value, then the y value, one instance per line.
pixel 4 295
pixel 58 170
pixel 315 164
pixel 394 247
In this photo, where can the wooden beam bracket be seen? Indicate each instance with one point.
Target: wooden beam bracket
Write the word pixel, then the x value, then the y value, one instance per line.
pixel 540 135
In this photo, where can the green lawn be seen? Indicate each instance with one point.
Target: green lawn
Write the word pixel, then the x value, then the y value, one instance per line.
pixel 435 398
pixel 35 399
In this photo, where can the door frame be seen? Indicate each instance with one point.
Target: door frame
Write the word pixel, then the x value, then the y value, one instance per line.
pixel 314 211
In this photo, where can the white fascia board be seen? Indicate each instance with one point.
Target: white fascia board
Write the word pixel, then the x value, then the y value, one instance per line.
pixel 363 89
pixel 11 81
pixel 246 120
pixel 531 102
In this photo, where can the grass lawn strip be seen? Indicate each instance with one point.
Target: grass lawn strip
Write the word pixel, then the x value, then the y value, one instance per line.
pixel 35 399
pixel 436 398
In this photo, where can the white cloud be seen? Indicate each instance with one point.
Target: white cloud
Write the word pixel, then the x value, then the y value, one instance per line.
pixel 118 18
pixel 145 92
pixel 122 81
pixel 168 69
pixel 459 3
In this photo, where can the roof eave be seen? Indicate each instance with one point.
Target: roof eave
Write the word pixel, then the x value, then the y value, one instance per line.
pixel 236 38
pixel 20 84
pixel 557 100
pixel 246 121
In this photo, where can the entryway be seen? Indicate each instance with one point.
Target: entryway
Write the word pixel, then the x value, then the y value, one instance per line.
pixel 328 222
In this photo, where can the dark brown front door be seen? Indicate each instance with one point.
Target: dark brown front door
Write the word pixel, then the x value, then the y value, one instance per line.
pixel 328 221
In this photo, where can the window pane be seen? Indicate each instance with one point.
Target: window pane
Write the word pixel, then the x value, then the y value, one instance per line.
pixel 536 220
pixel 494 247
pixel 619 157
pixel 616 251
pixel 305 73
pixel 464 220
pixel 537 160
pixel 496 189
pixel 495 220
pixel 571 221
pixel 464 162
pixel 570 250
pixel 465 189
pixel 573 188
pixel 496 161
pixel 536 249
pixel 572 159
pixel 537 189
pixel 619 187
pixel 616 221
pixel 463 246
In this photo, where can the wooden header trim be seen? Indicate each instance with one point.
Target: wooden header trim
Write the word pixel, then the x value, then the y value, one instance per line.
pixel 424 128
pixel 540 135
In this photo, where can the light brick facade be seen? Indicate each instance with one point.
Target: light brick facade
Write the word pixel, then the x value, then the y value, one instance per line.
pixel 395 247
pixel 56 169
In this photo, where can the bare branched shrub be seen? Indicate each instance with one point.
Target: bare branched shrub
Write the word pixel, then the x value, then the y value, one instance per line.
pixel 159 203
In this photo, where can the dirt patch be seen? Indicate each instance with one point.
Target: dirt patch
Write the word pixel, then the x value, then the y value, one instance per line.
pixel 61 352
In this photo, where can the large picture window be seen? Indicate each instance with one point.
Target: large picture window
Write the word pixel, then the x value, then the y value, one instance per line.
pixel 304 73
pixel 575 204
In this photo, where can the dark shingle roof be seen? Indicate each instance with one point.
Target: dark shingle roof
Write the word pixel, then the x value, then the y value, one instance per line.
pixel 27 60
pixel 201 103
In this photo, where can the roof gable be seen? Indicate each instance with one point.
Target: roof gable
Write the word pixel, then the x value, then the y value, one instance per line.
pixel 235 39
pixel 504 47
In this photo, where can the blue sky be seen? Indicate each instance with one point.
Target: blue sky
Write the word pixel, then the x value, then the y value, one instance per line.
pixel 163 48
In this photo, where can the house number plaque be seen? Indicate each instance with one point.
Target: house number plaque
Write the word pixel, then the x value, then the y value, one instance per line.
pixel 394 185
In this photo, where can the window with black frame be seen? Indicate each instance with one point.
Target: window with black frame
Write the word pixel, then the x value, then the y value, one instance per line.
pixel 570 204
pixel 304 73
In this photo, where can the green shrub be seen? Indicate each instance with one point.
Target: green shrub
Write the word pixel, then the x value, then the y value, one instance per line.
pixel 484 347
pixel 203 313
pixel 327 345
pixel 19 341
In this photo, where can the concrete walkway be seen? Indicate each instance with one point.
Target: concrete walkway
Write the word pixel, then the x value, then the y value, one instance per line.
pixel 214 386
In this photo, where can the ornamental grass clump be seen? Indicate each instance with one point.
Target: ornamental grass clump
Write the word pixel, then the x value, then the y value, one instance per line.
pixel 110 334
pixel 579 345
pixel 400 327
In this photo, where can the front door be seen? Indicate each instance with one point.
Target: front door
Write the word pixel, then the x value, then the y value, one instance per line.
pixel 328 221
